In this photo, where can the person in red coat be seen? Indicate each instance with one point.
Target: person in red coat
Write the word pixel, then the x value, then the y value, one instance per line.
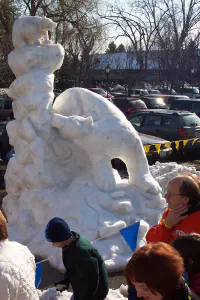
pixel 183 213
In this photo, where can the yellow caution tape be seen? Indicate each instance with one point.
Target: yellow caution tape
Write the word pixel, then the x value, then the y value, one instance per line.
pixel 147 148
pixel 185 142
pixel 158 146
pixel 194 141
pixel 167 144
pixel 176 144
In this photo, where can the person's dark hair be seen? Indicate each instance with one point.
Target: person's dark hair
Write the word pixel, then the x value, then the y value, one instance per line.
pixel 189 248
pixel 189 187
pixel 160 267
pixel 3 227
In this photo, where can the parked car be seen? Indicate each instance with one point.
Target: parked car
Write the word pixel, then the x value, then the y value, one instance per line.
pixel 128 105
pixel 118 88
pixel 6 111
pixel 168 91
pixel 3 126
pixel 141 92
pixel 191 92
pixel 118 94
pixel 192 105
pixel 171 98
pixel 168 124
pixel 153 155
pixel 101 92
pixel 154 102
pixel 154 92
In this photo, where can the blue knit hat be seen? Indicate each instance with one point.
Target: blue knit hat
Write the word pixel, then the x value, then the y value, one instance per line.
pixel 57 230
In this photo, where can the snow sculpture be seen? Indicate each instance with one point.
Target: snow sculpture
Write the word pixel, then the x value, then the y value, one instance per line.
pixel 110 135
pixel 62 165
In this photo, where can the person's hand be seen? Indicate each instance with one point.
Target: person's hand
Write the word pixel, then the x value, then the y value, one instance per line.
pixel 175 215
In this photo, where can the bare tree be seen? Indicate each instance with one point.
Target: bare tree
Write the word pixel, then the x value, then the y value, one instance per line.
pixel 77 30
pixel 79 43
pixel 8 13
pixel 138 28
pixel 156 28
pixel 173 22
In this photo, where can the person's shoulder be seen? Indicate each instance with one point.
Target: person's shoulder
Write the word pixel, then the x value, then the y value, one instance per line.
pixel 194 216
pixel 191 223
pixel 21 248
pixel 82 244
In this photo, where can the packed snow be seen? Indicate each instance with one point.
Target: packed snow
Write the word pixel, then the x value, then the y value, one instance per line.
pixel 63 158
pixel 52 294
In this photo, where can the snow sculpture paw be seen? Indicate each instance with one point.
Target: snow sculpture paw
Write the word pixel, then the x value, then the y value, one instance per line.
pixel 147 183
pixel 103 175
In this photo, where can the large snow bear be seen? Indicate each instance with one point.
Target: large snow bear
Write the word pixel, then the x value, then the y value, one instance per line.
pixel 99 128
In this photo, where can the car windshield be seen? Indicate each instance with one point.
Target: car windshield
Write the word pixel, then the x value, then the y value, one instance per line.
pixel 172 92
pixel 8 104
pixel 190 120
pixel 191 90
pixel 123 103
pixel 195 91
pixel 100 92
pixel 138 103
pixel 140 92
pixel 155 92
pixel 157 101
pixel 144 92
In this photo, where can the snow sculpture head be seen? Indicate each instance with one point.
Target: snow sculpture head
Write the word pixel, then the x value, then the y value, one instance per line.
pixel 31 31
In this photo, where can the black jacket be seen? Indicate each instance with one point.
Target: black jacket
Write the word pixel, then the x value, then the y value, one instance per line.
pixel 85 270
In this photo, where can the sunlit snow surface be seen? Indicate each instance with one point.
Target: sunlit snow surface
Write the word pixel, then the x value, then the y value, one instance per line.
pixel 91 214
pixel 51 294
pixel 63 157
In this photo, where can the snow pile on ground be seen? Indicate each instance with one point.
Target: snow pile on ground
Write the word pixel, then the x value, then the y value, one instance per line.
pixel 52 294
pixel 164 172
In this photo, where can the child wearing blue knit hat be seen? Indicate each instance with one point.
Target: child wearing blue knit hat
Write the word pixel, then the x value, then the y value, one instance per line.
pixel 57 231
pixel 85 269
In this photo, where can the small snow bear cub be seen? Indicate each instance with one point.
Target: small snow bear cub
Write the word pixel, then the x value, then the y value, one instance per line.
pixel 31 30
